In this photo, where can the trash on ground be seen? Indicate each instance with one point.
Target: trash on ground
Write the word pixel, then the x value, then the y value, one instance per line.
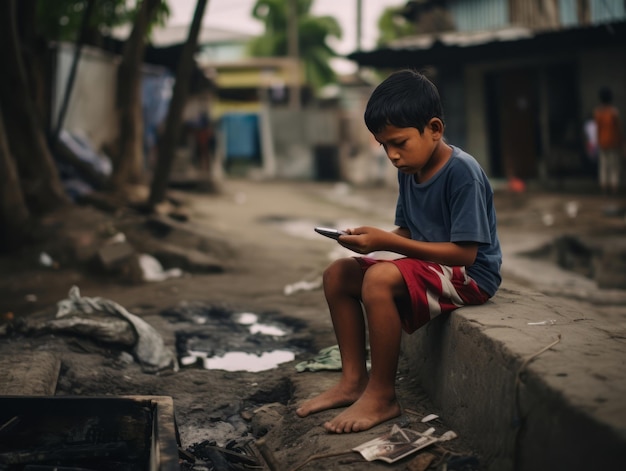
pixel 152 269
pixel 117 238
pixel 546 322
pixel 396 444
pixel 235 455
pixel 303 286
pixel 449 435
pixel 46 260
pixel 547 219
pixel 430 417
pixel 571 208
pixel 327 359
pixel 149 348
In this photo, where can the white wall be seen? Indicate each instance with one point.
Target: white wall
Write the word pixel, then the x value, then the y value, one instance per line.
pixel 91 109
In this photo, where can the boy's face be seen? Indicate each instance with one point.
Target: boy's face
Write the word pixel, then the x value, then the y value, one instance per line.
pixel 409 150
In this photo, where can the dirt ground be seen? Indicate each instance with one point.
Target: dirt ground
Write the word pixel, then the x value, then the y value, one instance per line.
pixel 261 233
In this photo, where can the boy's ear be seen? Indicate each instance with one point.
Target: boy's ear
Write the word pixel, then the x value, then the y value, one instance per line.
pixel 436 127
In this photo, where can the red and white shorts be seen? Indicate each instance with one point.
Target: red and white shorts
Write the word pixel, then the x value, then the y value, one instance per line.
pixel 434 289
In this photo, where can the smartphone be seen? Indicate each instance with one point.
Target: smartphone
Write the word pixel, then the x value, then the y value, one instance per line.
pixel 328 232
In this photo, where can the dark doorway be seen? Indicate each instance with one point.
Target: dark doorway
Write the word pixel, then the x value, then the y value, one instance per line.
pixel 565 153
pixel 518 117
pixel 512 121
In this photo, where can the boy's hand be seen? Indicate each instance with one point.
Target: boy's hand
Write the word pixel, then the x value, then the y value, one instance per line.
pixel 365 239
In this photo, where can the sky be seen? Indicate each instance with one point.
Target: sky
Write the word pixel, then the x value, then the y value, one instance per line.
pixel 235 15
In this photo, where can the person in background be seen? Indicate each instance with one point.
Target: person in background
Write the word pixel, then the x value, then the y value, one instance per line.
pixel 610 142
pixel 203 133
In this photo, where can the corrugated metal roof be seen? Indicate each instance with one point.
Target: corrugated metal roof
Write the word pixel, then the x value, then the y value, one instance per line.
pixel 462 38
pixel 177 34
pixel 457 48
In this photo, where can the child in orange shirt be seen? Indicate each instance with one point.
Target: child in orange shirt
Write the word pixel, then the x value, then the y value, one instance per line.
pixel 609 135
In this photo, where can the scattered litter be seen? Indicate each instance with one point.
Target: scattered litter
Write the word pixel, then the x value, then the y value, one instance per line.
pixel 46 260
pixel 546 322
pixel 265 329
pixel 250 319
pixel 328 358
pixel 571 208
pixel 117 238
pixel 547 219
pixel 149 349
pixel 247 318
pixel 430 417
pixel 515 185
pixel 303 286
pixel 449 435
pixel 395 445
pixel 153 270
pixel 235 455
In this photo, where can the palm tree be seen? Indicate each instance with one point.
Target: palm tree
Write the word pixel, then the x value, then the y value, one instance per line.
pixel 393 25
pixel 313 31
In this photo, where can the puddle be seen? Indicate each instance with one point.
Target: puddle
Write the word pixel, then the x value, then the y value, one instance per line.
pixel 251 319
pixel 241 361
pixel 220 339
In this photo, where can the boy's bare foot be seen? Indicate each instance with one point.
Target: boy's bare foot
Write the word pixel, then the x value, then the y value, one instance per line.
pixel 337 396
pixel 364 414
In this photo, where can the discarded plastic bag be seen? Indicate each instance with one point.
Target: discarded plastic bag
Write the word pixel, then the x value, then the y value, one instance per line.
pixel 328 358
pixel 149 349
pixel 302 286
pixel 153 270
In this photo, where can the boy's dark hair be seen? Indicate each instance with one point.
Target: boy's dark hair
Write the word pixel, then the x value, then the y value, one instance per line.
pixel 606 95
pixel 405 99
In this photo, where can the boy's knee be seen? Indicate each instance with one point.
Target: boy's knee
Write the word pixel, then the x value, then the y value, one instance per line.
pixel 341 271
pixel 382 278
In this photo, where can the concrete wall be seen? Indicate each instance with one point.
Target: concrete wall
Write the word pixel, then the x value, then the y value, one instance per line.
pixel 301 137
pixel 524 406
pixel 477 138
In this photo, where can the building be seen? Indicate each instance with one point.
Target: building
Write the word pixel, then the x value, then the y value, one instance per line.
pixel 518 78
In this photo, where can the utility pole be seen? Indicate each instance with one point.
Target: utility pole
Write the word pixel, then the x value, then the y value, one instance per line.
pixel 294 54
pixel 359 23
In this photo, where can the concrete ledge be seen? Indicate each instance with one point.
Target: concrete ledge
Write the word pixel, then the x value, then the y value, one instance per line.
pixel 568 409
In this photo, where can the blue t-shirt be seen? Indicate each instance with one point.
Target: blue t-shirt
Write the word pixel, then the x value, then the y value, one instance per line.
pixel 455 205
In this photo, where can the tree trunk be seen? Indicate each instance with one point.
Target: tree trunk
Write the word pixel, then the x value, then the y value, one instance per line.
pixel 128 165
pixel 35 59
pixel 167 145
pixel 78 49
pixel 40 181
pixel 14 215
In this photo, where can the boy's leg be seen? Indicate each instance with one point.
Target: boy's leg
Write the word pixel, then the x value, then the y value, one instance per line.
pixel 384 291
pixel 342 288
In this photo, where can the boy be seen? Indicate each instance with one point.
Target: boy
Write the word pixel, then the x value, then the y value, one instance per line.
pixel 446 234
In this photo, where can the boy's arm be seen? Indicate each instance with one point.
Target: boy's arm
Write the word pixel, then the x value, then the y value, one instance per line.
pixel 369 239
